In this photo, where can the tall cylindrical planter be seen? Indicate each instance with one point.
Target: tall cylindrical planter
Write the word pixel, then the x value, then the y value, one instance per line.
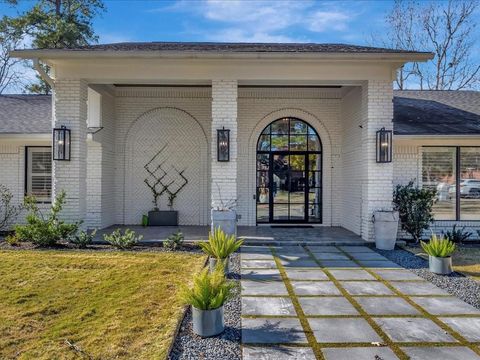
pixel 440 265
pixel 208 323
pixel 213 264
pixel 226 220
pixel 385 228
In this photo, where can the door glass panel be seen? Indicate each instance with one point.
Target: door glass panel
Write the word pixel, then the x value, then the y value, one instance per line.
pixel 314 212
pixel 314 179
pixel 279 143
pixel 297 162
pixel 263 212
pixel 280 212
pixel 264 143
pixel 262 179
pixel 298 143
pixel 263 161
pixel 314 162
pixel 297 212
pixel 280 127
pixel 298 127
pixel 313 143
pixel 297 187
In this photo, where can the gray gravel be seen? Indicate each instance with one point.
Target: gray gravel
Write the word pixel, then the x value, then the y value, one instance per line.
pixel 224 346
pixel 456 284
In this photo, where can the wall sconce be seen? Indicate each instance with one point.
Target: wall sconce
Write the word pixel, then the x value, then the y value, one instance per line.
pixel 223 144
pixel 61 143
pixel 384 145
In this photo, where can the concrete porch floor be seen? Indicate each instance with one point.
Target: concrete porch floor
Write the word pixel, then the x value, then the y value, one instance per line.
pixel 253 235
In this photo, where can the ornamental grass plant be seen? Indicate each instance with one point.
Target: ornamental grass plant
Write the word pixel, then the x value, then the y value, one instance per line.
pixel 438 246
pixel 209 290
pixel 220 245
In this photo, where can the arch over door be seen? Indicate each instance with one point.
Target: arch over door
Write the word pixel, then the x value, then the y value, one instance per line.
pixel 289 173
pixel 175 141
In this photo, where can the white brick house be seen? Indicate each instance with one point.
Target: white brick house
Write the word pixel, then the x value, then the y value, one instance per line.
pixel 127 103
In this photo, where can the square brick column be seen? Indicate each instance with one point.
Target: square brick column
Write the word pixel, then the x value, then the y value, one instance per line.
pixel 224 114
pixel 70 109
pixel 377 179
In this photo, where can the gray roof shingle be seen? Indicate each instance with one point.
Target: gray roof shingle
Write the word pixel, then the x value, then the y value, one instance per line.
pixel 238 47
pixel 25 114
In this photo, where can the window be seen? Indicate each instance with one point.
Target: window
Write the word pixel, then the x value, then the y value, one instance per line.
pixel 38 173
pixel 455 173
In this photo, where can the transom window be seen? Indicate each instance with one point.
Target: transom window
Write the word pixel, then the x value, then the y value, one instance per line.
pixel 38 173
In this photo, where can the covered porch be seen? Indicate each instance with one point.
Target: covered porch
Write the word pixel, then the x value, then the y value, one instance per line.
pixel 253 235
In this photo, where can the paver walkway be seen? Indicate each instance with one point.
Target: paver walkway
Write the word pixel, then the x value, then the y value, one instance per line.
pixel 348 302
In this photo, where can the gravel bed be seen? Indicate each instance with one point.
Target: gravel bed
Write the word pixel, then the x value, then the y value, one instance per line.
pixel 456 284
pixel 224 346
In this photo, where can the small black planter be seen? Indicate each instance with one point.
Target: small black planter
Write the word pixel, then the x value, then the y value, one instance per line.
pixel 162 218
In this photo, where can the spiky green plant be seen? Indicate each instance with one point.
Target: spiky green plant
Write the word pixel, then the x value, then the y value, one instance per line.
pixel 209 290
pixel 438 246
pixel 221 245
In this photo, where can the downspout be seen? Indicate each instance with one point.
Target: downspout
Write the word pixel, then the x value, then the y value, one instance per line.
pixel 43 74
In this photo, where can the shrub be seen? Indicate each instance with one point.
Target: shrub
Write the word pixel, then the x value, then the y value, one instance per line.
pixel 12 240
pixel 457 236
pixel 209 291
pixel 45 230
pixel 221 245
pixel 83 238
pixel 174 241
pixel 122 241
pixel 8 211
pixel 415 208
pixel 438 246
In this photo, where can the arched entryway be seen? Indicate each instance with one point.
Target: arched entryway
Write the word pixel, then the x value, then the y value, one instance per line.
pixel 289 173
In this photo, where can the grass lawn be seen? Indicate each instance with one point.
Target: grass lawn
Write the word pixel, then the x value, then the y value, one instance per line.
pixel 108 304
pixel 466 259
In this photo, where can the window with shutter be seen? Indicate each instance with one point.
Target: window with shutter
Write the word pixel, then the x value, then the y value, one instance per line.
pixel 39 173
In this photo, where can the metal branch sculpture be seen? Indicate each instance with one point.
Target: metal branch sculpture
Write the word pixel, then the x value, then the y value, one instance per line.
pixel 172 195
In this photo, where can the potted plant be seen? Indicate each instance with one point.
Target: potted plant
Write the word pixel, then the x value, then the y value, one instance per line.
pixel 206 296
pixel 224 215
pixel 385 228
pixel 219 247
pixel 439 252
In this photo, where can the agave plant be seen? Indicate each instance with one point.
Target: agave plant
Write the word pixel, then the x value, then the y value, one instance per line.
pixel 438 246
pixel 221 245
pixel 209 290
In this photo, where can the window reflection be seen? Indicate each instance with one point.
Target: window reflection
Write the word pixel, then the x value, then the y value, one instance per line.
pixel 469 183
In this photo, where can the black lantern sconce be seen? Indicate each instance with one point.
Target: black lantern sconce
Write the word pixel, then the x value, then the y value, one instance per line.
pixel 223 144
pixel 384 145
pixel 61 143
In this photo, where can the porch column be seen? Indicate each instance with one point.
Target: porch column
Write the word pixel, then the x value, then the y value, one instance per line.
pixel 377 182
pixel 70 109
pixel 224 114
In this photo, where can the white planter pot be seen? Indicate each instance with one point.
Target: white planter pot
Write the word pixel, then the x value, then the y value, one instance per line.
pixel 439 265
pixel 212 262
pixel 208 323
pixel 385 227
pixel 226 220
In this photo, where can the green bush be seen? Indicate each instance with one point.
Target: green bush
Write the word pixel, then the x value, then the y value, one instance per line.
pixel 209 291
pixel 122 241
pixel 220 245
pixel 438 246
pixel 12 240
pixel 82 239
pixel 44 230
pixel 457 236
pixel 174 241
pixel 414 206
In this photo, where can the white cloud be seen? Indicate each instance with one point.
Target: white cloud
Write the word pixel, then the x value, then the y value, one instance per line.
pixel 322 21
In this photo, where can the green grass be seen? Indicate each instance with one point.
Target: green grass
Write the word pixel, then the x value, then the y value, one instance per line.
pixel 107 304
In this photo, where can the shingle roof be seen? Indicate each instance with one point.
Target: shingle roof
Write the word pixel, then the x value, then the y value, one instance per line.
pixel 25 114
pixel 238 47
pixel 420 116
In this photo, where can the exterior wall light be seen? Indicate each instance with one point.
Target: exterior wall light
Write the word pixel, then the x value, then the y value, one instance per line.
pixel 223 145
pixel 384 145
pixel 61 144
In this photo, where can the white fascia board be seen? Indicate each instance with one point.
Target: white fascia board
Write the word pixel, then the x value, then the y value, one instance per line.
pixel 23 136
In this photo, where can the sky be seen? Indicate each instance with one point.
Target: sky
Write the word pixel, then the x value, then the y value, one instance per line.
pixel 237 21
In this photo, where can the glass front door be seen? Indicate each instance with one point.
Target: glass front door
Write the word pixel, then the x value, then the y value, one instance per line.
pixel 289 181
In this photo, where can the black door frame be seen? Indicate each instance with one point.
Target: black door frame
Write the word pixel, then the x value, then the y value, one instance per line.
pixel 307 171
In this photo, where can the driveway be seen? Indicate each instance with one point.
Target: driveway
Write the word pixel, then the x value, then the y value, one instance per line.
pixel 348 302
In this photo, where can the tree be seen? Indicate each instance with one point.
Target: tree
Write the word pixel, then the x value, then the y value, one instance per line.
pixel 9 72
pixel 55 24
pixel 445 28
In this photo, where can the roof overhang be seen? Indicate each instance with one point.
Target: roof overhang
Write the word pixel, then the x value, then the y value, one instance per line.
pixel 25 136
pixel 53 55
